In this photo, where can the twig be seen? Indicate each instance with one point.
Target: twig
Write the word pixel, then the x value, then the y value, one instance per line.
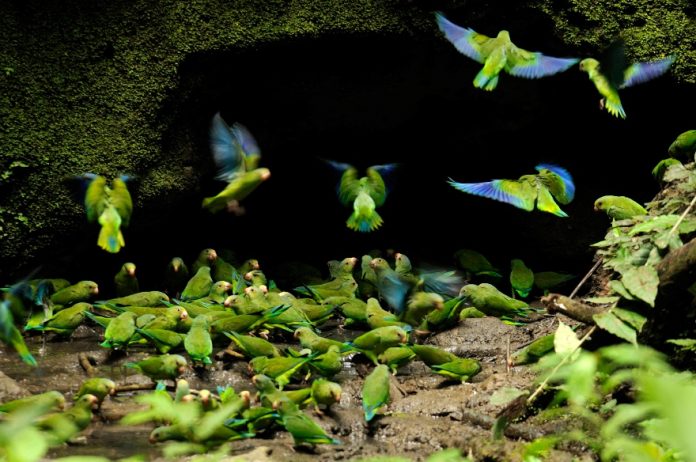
pixel 135 387
pixel 681 218
pixel 586 277
pixel 86 364
pixel 542 385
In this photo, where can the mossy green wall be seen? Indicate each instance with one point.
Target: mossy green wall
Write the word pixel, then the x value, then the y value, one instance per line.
pixel 83 84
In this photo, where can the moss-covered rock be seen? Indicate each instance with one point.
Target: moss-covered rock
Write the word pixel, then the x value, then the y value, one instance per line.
pixel 88 86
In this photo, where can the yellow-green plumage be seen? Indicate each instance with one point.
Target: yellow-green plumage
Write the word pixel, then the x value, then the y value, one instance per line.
pixel 619 207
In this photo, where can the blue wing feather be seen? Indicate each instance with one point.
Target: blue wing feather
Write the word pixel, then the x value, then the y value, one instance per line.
pixel 246 140
pixel 459 36
pixel 227 151
pixel 642 72
pixel 541 66
pixel 492 190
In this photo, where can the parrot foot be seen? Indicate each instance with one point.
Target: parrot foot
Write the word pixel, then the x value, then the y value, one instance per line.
pixel 318 411
pixel 601 104
pixel 236 208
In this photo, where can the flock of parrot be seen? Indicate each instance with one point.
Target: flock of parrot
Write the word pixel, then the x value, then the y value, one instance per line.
pixel 220 303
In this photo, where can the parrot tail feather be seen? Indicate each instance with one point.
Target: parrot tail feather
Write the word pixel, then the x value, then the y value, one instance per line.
pixel 485 82
pixel 614 107
pixel 110 239
pixel 364 223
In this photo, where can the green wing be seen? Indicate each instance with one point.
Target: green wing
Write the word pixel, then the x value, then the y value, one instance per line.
pixel 349 187
pixel 121 200
pixel 95 198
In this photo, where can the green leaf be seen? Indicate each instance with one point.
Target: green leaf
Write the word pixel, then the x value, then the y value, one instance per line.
pixel 610 323
pixel 658 223
pixel 505 395
pixel 619 288
pixel 580 385
pixel 539 448
pixel 668 239
pixel 565 341
pixel 688 344
pixel 630 317
pixel 642 282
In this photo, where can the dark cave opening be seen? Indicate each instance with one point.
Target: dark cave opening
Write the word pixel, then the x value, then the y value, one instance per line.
pixel 369 100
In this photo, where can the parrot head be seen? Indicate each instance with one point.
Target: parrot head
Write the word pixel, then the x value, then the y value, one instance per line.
pixel 589 65
pixel 129 268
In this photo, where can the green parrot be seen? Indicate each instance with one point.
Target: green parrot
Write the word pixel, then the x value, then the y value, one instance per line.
pixel 475 263
pixel 521 278
pixel 420 305
pixel 199 285
pixel 237 155
pixel 325 392
pixel 375 392
pixel 318 344
pixel 365 194
pixel 125 281
pixel 498 54
pixel 253 346
pixel 395 357
pixel 63 426
pixel 281 369
pixel 119 331
pixel 269 395
pixel 164 340
pixel 528 191
pixel 301 427
pixel 161 367
pixel 437 319
pixel 206 257
pixel 460 369
pixel 489 300
pixel 619 207
pixel 198 342
pixel 151 298
pixel 374 342
pixel 345 267
pixel 432 355
pixel 111 207
pixel 532 352
pixel 224 271
pixel 63 322
pixel 100 387
pixel 659 171
pixel 216 296
pixel 354 309
pixel 176 276
pixel 545 280
pixel 330 363
pixel 256 278
pixel 684 145
pixel 613 72
pixel 53 400
pixel 79 292
pixel 245 322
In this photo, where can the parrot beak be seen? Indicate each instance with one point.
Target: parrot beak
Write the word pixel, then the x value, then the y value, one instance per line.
pixel 439 305
pixel 296 334
pixel 256 265
pixel 212 256
pixel 95 290
pixel 131 272
pixel 151 439
pixel 248 276
pixel 254 379
pixel 246 396
pixel 354 261
pixel 265 175
pixel 337 397
pixel 248 290
pixel 184 314
pixel 181 370
pixel 373 263
pixel 263 288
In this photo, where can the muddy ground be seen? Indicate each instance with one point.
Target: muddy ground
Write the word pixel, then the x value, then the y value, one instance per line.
pixel 427 412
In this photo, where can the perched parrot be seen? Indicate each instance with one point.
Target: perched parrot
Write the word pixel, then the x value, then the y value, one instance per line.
pixel 540 189
pixel 329 363
pixel 521 278
pixel 684 146
pixel 475 263
pixel 119 331
pixel 532 352
pixel 207 257
pixel 125 280
pixel 111 207
pixel 460 369
pixel 63 426
pixel 161 367
pixel 365 194
pixel 79 292
pixel 310 339
pixel 613 72
pixel 64 322
pixel 151 298
pixel 619 207
pixel 431 355
pixel 237 156
pixel 325 392
pixel 281 368
pixel 176 277
pixel 98 386
pixel 53 399
pixel 489 300
pixel 374 342
pixel 375 392
pixel 395 357
pixel 198 342
pixel 199 285
pixel 164 340
pixel 252 347
pixel 497 54
pixel 301 427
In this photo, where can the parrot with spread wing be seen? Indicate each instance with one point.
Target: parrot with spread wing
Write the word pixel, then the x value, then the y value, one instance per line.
pixel 365 194
pixel 237 155
pixel 111 207
pixel 540 190
pixel 613 72
pixel 498 54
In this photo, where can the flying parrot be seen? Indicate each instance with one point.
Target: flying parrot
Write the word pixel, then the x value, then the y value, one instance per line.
pixel 551 182
pixel 365 194
pixel 613 72
pixel 111 207
pixel 237 155
pixel 498 54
